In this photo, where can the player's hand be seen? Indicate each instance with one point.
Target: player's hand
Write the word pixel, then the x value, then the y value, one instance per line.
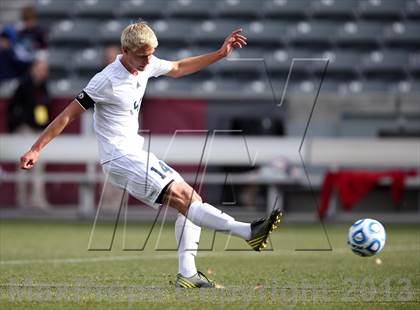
pixel 28 160
pixel 234 40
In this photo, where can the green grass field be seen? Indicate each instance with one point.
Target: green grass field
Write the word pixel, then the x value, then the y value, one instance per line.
pixel 47 265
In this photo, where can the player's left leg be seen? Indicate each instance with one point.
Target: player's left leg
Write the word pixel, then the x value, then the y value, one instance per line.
pixel 187 237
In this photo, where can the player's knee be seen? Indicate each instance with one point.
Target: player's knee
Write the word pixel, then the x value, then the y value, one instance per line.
pixel 181 195
pixel 187 194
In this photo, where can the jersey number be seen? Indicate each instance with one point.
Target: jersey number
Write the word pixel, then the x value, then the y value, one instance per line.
pixel 164 168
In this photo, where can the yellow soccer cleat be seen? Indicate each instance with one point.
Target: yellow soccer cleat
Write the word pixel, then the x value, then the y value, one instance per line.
pixel 261 229
pixel 199 280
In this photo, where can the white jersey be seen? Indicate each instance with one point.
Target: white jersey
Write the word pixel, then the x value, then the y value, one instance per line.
pixel 116 95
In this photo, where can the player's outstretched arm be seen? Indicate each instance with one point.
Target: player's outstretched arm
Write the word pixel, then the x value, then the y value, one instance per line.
pixel 73 110
pixel 193 64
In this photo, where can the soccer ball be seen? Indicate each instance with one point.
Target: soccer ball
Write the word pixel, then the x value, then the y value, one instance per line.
pixel 366 237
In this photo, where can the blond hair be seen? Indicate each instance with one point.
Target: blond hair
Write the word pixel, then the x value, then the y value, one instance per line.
pixel 138 35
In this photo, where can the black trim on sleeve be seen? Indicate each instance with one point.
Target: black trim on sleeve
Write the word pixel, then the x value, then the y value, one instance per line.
pixel 161 196
pixel 85 100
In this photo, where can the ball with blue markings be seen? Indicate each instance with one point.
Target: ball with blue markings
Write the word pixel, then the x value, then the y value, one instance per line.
pixel 366 237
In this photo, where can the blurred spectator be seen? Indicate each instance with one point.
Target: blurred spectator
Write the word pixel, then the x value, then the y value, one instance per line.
pixel 27 114
pixel 28 108
pixel 31 36
pixel 110 53
pixel 10 65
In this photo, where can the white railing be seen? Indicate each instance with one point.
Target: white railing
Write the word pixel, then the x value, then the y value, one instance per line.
pixel 218 149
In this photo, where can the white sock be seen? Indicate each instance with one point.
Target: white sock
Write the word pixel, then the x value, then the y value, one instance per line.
pixel 205 215
pixel 187 237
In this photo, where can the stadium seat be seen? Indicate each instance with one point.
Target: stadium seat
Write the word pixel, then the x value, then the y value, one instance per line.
pixel 53 8
pixel 176 54
pixel 376 85
pixel 241 60
pixel 238 8
pixel 413 8
pixel 268 32
pixel 168 87
pixel 88 61
pixel 214 31
pixel 304 33
pixel 280 60
pixel 218 86
pixel 58 60
pixel 415 86
pixel 67 87
pixel 331 84
pixel 173 30
pixel 381 8
pixel 301 84
pixel 367 85
pixel 286 8
pixel 259 87
pixel 296 83
pixel 110 31
pixel 311 86
pixel 97 8
pixel 341 62
pixel 143 9
pixel 407 87
pixel 334 8
pixel 360 33
pixel 191 8
pixel 407 33
pixel 180 53
pixel 165 53
pixel 385 61
pixel 8 87
pixel 414 64
pixel 367 47
pixel 74 31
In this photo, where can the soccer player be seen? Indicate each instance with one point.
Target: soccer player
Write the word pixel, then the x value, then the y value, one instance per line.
pixel 116 93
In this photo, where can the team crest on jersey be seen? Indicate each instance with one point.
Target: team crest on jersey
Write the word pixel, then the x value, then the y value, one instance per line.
pixel 81 95
pixel 136 107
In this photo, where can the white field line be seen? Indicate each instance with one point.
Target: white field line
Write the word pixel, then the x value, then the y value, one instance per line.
pixel 78 260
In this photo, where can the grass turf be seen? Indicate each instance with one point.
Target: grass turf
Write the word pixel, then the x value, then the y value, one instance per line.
pixel 47 265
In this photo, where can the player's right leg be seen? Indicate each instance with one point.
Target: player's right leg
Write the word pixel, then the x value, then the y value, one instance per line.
pixel 182 197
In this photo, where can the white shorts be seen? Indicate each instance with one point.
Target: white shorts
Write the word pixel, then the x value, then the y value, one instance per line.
pixel 143 175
